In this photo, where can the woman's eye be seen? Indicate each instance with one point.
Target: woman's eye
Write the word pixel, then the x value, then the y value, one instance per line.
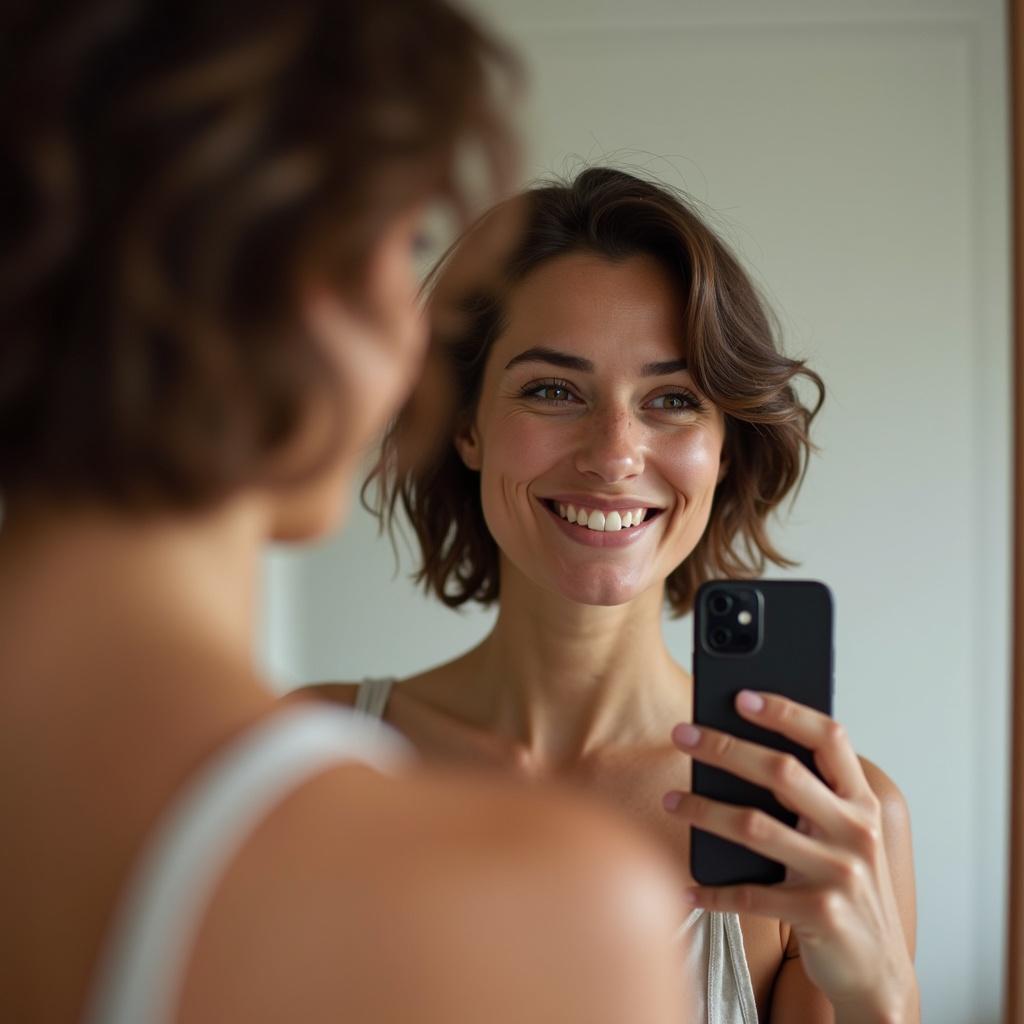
pixel 549 392
pixel 555 394
pixel 674 402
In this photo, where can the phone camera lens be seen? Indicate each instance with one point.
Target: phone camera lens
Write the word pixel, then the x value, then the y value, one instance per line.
pixel 720 603
pixel 720 637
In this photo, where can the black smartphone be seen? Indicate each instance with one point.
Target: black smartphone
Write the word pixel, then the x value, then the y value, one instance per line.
pixel 770 635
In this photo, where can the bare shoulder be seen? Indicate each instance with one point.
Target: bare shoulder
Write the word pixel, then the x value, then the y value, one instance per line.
pixel 895 812
pixel 423 684
pixel 895 815
pixel 358 879
pixel 896 835
pixel 333 692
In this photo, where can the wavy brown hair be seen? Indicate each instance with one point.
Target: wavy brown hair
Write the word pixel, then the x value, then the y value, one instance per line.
pixel 172 172
pixel 733 354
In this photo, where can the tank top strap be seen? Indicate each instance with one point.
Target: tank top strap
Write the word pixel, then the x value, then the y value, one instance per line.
pixel 146 953
pixel 715 965
pixel 730 991
pixel 373 695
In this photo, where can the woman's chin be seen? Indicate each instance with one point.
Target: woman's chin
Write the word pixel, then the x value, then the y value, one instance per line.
pixel 602 592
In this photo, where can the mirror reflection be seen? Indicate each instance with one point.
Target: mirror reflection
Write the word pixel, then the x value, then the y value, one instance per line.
pixel 834 184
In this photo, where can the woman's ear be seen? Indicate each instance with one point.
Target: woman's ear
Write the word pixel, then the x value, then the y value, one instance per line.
pixel 723 469
pixel 467 444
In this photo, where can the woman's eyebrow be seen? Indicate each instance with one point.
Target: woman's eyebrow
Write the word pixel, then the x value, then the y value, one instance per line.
pixel 568 362
pixel 663 369
pixel 549 355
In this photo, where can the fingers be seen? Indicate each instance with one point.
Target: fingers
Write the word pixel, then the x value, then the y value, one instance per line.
pixel 794 785
pixel 755 830
pixel 822 735
pixel 795 904
pixel 833 753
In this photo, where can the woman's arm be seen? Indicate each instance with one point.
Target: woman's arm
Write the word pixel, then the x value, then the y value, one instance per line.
pixel 840 891
pixel 794 996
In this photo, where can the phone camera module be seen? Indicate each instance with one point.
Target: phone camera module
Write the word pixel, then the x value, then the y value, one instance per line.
pixel 732 620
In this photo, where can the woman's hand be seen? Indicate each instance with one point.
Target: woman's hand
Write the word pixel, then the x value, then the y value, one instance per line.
pixel 838 894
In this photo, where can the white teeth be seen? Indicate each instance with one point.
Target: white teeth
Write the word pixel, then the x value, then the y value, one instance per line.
pixel 595 519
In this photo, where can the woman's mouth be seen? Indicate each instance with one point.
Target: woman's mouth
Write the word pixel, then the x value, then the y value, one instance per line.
pixel 599 520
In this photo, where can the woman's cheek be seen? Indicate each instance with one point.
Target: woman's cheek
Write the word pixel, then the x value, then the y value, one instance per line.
pixel 518 450
pixel 523 447
pixel 692 462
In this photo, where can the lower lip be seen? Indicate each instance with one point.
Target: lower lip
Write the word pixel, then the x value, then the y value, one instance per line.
pixel 599 538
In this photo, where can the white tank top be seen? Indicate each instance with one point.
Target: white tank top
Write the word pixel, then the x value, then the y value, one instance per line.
pixel 146 953
pixel 712 942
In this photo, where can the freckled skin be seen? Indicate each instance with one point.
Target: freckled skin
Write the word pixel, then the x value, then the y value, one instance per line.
pixel 609 437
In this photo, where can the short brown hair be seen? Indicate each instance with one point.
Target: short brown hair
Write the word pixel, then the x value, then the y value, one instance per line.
pixel 171 171
pixel 733 355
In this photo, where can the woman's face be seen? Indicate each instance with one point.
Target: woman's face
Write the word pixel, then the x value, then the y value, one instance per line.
pixel 376 347
pixel 587 413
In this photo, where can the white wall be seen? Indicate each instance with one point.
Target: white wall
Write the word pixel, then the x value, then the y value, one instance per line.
pixel 854 154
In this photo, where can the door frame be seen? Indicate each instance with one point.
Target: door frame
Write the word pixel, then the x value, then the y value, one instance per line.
pixel 1015 923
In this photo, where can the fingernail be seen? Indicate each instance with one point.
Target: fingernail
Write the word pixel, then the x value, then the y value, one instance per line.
pixel 671 801
pixel 685 735
pixel 747 700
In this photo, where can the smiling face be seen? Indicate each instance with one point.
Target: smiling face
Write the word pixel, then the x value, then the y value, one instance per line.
pixel 598 456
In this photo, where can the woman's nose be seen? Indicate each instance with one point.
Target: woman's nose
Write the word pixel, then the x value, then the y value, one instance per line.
pixel 610 447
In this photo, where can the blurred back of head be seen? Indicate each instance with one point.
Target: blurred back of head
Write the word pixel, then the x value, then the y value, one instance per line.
pixel 172 173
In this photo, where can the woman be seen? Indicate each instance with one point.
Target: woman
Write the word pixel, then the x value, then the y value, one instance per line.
pixel 207 308
pixel 627 426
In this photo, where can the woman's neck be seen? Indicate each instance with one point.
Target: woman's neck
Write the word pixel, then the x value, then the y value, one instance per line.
pixel 107 589
pixel 564 679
